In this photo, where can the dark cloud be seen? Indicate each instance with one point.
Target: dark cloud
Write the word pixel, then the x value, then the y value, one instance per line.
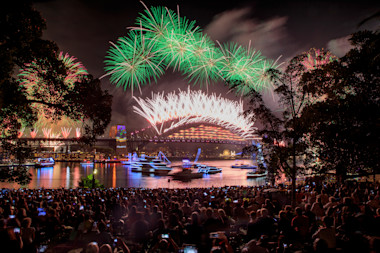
pixel 268 36
pixel 339 46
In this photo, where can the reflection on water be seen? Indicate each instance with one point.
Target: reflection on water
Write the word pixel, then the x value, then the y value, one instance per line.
pixel 67 175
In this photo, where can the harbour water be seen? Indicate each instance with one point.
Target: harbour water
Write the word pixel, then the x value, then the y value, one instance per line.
pixel 68 175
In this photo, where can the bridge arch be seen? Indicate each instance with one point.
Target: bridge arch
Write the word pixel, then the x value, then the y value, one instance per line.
pixel 165 113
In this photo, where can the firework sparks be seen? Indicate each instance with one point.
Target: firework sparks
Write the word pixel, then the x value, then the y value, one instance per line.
pixel 21 132
pixel 53 144
pixel 163 39
pixel 47 132
pixel 315 58
pixel 65 132
pixel 188 107
pixel 132 61
pixel 33 133
pixel 77 132
pixel 31 77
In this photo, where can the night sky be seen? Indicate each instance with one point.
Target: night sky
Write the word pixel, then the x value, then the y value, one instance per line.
pixel 83 28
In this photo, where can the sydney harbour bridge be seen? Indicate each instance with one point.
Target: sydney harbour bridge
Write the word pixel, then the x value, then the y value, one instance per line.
pixel 178 117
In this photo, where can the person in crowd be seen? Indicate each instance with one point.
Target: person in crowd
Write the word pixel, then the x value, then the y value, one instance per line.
pixel 33 219
pixel 327 233
pixel 28 235
pixel 300 223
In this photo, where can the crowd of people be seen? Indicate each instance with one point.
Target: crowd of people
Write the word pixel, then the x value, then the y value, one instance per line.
pixel 324 218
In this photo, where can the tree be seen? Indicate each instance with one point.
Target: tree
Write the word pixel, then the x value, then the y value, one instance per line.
pixel 21 44
pixel 283 132
pixel 344 126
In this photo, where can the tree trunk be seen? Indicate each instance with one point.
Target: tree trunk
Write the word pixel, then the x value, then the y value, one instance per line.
pixel 294 176
pixel 340 174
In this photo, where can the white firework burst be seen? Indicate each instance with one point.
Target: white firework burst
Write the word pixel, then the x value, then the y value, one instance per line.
pixel 167 112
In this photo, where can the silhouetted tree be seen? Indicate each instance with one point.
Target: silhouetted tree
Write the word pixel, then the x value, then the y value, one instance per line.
pixel 344 126
pixel 283 132
pixel 20 43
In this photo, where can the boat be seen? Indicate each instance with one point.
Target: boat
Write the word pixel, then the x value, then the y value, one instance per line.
pixel 202 168
pixel 257 173
pixel 45 162
pixel 186 174
pixel 87 163
pixel 135 167
pixel 159 166
pixel 155 166
pixel 243 166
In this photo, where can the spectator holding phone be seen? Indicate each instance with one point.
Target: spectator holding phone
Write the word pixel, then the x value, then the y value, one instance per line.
pixel 220 243
pixel 165 245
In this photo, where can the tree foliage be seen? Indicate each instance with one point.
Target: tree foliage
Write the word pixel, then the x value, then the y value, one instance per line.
pixel 344 126
pixel 20 44
pixel 284 134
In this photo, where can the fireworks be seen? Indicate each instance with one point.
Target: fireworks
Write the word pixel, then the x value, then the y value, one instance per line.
pixel 132 61
pixel 53 144
pixel 31 77
pixel 21 132
pixel 189 107
pixel 33 133
pixel 163 39
pixel 315 58
pixel 77 132
pixel 65 132
pixel 47 132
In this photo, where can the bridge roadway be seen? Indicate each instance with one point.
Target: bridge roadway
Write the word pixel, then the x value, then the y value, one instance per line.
pixel 131 144
pixel 112 141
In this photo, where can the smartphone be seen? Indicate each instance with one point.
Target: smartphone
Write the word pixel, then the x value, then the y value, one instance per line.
pixel 16 230
pixel 115 242
pixel 165 236
pixel 214 235
pixel 213 197
pixel 81 208
pixel 12 216
pixel 42 248
pixel 236 201
pixel 190 249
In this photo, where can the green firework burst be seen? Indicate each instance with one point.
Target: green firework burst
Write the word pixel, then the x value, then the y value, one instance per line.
pixel 133 61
